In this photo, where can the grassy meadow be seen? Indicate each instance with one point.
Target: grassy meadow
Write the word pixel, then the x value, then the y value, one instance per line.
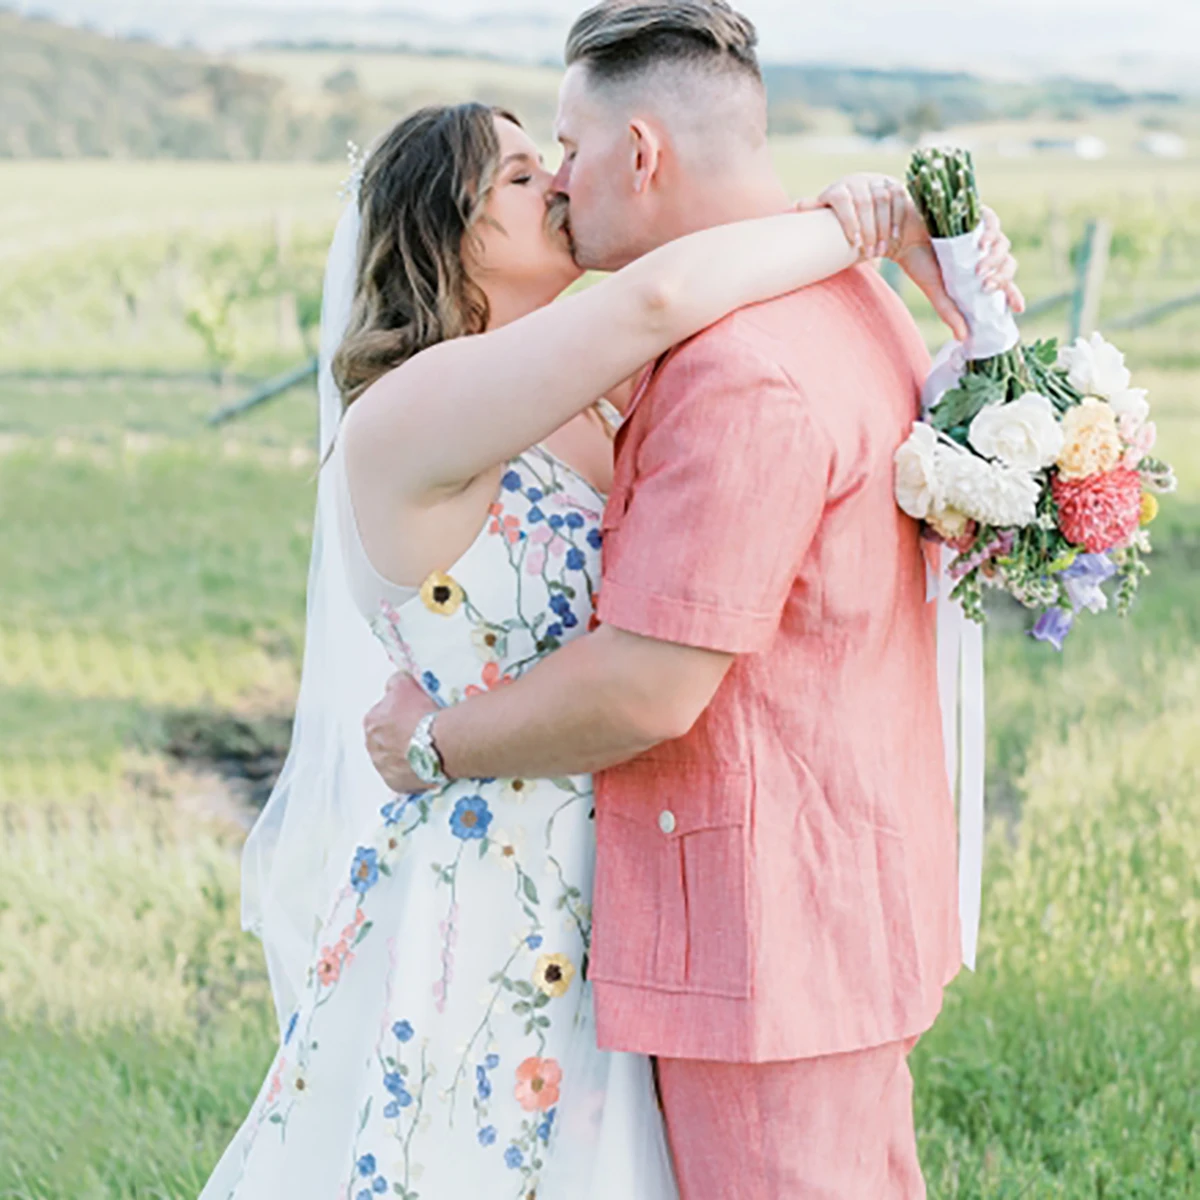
pixel 152 572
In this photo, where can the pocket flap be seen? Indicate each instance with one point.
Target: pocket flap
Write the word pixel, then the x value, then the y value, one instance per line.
pixel 673 799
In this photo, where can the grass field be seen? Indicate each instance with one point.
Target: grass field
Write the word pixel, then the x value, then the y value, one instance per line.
pixel 153 573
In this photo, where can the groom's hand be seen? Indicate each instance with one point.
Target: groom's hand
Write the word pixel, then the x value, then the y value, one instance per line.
pixel 389 728
pixel 880 219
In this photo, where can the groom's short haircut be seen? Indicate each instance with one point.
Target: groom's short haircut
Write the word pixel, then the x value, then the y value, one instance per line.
pixel 695 60
pixel 618 41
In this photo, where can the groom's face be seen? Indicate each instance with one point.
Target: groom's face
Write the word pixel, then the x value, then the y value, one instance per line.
pixel 607 214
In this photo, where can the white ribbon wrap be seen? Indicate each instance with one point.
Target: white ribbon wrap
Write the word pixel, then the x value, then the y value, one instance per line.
pixel 993 330
pixel 960 688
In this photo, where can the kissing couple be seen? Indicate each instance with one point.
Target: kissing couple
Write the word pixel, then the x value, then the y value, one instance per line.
pixel 644 884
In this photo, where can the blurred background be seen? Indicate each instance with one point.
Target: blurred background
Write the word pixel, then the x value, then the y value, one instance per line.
pixel 168 183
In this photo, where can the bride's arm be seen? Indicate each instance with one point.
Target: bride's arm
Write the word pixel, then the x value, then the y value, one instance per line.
pixel 465 405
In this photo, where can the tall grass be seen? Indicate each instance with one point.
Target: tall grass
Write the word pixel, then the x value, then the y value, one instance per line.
pixel 152 567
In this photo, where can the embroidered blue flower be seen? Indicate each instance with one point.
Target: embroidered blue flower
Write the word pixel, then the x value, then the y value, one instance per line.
pixel 560 604
pixel 570 620
pixel 513 1157
pixel 431 681
pixel 554 631
pixel 379 1185
pixel 470 819
pixel 555 522
pixel 535 494
pixel 535 515
pixel 483 1085
pixel 291 1026
pixel 547 1125
pixel 391 1110
pixel 393 1082
pixel 393 810
pixel 534 941
pixel 364 1195
pixel 595 539
pixel 403 1031
pixel 365 872
pixel 366 1165
pixel 487 1135
pixel 511 482
pixel 492 1061
pixel 575 560
pixel 574 520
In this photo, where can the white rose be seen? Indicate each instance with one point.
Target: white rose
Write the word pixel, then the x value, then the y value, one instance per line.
pixel 991 493
pixel 1024 434
pixel 1131 405
pixel 917 490
pixel 1095 367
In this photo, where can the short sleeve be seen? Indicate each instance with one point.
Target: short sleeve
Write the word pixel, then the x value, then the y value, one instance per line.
pixel 730 482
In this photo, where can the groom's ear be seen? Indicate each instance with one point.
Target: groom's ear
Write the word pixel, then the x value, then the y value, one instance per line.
pixel 645 148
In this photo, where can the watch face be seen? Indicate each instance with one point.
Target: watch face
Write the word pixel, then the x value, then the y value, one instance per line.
pixel 423 763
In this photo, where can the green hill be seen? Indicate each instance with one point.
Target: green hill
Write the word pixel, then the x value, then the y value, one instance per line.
pixel 68 93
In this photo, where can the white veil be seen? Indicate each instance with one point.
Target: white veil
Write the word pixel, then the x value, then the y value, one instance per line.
pixel 299 851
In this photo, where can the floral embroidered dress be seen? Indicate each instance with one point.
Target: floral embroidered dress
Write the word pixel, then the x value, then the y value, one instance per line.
pixel 444 1049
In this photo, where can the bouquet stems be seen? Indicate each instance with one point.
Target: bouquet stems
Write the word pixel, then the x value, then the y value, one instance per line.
pixel 943 187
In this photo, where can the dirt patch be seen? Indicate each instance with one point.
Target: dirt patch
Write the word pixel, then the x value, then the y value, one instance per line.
pixel 247 753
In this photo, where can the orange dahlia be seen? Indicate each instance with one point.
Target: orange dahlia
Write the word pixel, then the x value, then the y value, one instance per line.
pixel 1100 511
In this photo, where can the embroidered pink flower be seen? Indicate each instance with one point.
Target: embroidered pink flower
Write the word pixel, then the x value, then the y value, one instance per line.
pixel 535 562
pixel 1099 511
pixel 537 1084
pixel 329 966
pixel 492 679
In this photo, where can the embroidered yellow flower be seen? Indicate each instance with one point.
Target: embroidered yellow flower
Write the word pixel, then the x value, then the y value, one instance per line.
pixel 553 975
pixel 441 595
pixel 1091 441
pixel 1149 507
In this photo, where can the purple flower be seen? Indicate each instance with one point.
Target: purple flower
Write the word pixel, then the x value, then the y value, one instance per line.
pixel 1053 626
pixel 1083 581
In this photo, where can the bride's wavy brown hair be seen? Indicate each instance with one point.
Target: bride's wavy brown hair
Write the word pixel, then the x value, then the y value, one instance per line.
pixel 424 187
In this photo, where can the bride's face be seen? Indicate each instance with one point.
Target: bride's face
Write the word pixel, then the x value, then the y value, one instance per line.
pixel 516 245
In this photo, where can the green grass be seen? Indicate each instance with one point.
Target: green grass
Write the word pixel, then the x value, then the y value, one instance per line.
pixel 153 567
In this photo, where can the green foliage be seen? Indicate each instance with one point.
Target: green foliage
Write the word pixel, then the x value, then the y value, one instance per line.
pixel 153 608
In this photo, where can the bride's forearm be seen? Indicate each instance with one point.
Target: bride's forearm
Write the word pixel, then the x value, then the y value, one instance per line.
pixel 465 405
pixel 706 275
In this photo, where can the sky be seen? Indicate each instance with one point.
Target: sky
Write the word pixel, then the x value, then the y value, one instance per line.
pixel 1057 34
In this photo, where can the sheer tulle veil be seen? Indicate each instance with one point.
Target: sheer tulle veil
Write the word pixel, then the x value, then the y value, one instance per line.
pixel 302 843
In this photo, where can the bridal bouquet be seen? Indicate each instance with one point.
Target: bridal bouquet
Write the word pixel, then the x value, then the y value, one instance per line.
pixel 1032 462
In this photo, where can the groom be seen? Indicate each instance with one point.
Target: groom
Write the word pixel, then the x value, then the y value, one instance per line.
pixel 775 899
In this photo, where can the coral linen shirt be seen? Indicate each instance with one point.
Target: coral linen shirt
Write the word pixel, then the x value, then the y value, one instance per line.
pixel 781 882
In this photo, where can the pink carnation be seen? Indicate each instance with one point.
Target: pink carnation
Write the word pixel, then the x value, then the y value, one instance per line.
pixel 1100 511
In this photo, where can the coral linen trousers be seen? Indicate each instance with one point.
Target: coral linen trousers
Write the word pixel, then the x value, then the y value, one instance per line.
pixel 776 894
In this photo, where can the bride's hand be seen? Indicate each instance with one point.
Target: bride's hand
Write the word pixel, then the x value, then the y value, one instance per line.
pixel 880 220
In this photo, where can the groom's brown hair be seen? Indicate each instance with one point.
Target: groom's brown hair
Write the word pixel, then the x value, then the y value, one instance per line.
pixel 617 41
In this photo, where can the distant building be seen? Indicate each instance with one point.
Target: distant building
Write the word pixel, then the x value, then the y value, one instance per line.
pixel 1163 145
pixel 1088 146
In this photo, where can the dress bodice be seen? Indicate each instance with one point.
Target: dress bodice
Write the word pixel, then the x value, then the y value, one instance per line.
pixel 526 585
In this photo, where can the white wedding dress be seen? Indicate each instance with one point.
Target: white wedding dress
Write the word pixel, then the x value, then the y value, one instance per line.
pixel 443 1048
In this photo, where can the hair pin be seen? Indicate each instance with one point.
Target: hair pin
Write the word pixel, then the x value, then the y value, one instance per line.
pixel 356 156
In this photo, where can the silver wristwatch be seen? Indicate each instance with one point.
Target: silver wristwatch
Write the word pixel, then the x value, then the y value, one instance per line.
pixel 423 755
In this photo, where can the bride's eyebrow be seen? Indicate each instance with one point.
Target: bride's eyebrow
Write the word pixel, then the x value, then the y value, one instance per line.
pixel 519 157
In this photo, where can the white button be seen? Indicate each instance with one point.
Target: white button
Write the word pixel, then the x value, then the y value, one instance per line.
pixel 666 821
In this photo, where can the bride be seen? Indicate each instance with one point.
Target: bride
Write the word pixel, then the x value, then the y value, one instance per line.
pixel 428 953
